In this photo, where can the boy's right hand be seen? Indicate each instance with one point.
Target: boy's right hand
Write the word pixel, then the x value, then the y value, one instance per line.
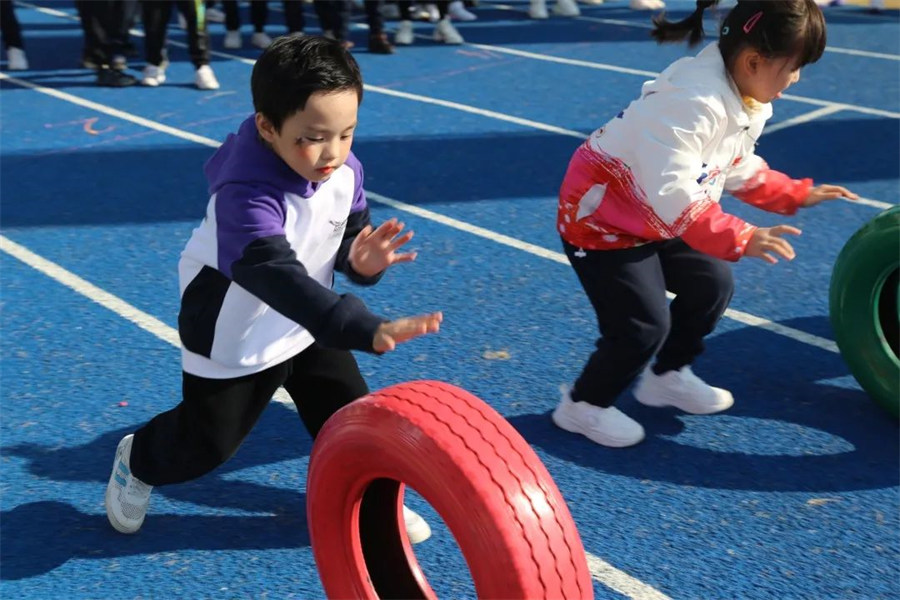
pixel 389 334
pixel 767 240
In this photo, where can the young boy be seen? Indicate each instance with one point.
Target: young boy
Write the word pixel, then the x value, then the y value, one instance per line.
pixel 287 209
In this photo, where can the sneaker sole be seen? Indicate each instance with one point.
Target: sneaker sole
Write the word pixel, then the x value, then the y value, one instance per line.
pixel 610 442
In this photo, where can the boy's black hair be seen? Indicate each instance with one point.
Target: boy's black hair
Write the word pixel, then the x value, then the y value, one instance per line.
pixel 775 28
pixel 296 66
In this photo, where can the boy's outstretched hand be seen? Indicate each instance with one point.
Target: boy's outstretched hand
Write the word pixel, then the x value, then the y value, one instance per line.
pixel 389 334
pixel 820 193
pixel 373 251
pixel 768 240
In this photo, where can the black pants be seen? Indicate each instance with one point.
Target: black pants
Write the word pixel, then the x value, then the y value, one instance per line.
pixel 9 26
pixel 156 14
pixel 259 14
pixel 627 289
pixel 215 415
pixel 105 25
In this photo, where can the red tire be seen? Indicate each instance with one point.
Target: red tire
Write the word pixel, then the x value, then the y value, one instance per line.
pixel 496 497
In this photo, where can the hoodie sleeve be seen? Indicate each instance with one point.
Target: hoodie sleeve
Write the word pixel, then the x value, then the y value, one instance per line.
pixel 253 251
pixel 356 222
pixel 674 129
pixel 753 182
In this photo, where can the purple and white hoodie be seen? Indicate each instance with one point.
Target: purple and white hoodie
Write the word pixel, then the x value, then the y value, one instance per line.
pixel 256 276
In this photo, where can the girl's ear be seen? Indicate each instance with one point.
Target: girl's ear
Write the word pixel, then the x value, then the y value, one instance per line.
pixel 265 128
pixel 752 61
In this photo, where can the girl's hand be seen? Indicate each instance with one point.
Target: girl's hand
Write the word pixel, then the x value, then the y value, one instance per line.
pixel 821 193
pixel 374 251
pixel 389 334
pixel 768 240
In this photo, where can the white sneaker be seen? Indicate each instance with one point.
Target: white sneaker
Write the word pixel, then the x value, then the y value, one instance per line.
pixel 432 12
pixel 681 389
pixel 447 33
pixel 566 8
pixel 538 9
pixel 15 59
pixel 261 40
pixel 205 79
pixel 389 10
pixel 153 76
pixel 127 496
pixel 232 40
pixel 605 426
pixel 417 529
pixel 404 35
pixel 182 22
pixel 647 4
pixel 457 10
pixel 214 15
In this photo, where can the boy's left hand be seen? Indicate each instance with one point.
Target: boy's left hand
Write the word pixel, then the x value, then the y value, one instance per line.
pixel 820 193
pixel 373 251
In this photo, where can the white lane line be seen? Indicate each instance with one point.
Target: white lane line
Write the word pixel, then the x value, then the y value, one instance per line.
pixel 499 238
pixel 799 119
pixel 601 570
pixel 87 289
pixel 621 582
pixel 477 111
pixel 712 36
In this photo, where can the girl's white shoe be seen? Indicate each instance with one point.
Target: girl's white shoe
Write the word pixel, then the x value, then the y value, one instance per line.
pixel 681 389
pixel 605 426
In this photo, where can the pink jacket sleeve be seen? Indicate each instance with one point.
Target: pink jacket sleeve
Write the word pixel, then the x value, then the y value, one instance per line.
pixel 774 191
pixel 719 234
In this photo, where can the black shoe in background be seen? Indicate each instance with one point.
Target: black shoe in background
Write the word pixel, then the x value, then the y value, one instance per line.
pixel 107 77
pixel 379 44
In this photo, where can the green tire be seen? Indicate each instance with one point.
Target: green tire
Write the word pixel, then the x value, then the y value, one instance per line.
pixel 864 303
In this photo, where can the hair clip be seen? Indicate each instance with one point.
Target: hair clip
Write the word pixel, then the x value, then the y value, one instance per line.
pixel 725 30
pixel 752 21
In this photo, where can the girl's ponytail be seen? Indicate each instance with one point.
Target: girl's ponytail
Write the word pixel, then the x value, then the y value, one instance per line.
pixel 691 27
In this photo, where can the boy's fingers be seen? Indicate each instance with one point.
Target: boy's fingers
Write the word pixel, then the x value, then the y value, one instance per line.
pixel 399 241
pixel 405 257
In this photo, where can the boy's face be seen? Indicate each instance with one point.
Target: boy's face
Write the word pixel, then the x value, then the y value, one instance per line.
pixel 315 141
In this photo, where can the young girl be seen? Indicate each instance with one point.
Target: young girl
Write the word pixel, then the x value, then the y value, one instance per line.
pixel 639 210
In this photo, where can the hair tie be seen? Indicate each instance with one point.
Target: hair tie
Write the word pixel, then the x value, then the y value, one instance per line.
pixel 752 21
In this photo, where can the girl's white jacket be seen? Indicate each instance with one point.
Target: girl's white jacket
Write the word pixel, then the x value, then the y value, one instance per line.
pixel 658 169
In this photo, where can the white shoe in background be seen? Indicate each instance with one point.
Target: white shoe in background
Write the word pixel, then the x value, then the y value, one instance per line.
pixel 605 426
pixel 214 15
pixel 457 11
pixel 260 40
pixel 404 35
pixel 537 9
pixel 647 4
pixel 681 389
pixel 153 76
pixel 566 8
pixel 232 40
pixel 447 33
pixel 205 79
pixel 16 59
